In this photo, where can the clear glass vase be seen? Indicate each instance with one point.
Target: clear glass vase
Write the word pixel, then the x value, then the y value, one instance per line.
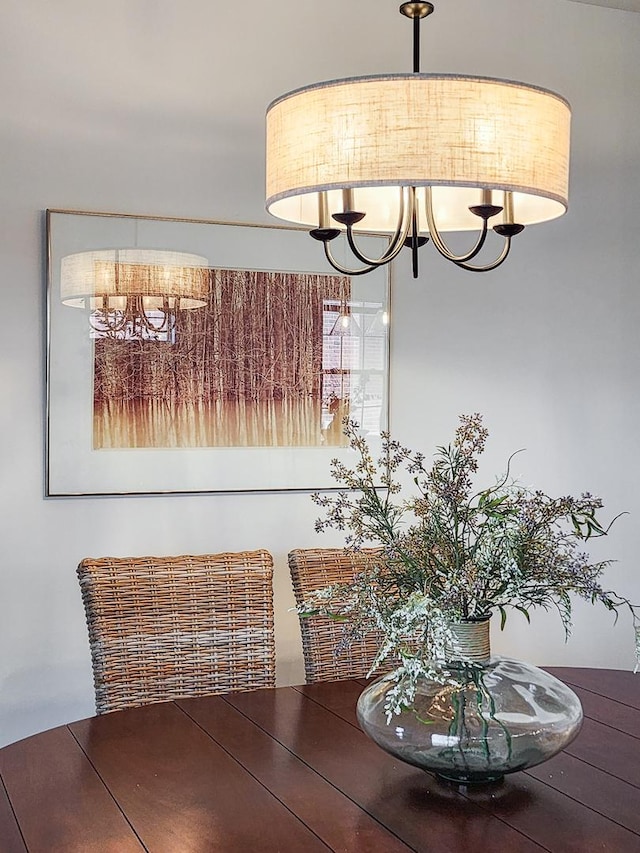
pixel 506 715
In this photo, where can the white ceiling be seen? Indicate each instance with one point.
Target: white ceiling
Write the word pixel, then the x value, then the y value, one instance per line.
pixel 197 71
pixel 629 5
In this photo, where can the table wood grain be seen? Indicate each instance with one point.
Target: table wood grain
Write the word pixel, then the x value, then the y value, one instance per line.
pixel 289 770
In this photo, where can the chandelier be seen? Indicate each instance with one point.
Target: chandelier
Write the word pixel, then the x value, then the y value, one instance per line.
pixel 134 290
pixel 417 155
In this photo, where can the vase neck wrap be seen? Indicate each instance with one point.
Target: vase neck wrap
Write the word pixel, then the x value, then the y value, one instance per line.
pixel 471 641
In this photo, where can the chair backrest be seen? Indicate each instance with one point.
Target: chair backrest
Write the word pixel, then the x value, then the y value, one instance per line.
pixel 325 656
pixel 161 628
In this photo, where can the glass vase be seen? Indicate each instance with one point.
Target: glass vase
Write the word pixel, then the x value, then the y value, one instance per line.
pixel 504 715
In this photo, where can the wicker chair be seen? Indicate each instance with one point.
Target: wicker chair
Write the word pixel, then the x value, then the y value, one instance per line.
pixel 161 628
pixel 312 569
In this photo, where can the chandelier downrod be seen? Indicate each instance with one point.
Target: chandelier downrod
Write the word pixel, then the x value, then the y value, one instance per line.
pixel 416 11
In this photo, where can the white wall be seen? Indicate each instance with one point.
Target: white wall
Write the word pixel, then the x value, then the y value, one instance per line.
pixel 157 108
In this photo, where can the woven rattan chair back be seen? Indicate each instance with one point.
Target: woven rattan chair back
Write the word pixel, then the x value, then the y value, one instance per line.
pixel 161 628
pixel 326 657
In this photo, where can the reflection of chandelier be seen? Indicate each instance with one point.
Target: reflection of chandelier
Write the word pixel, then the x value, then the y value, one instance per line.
pixel 137 288
pixel 416 155
pixel 345 324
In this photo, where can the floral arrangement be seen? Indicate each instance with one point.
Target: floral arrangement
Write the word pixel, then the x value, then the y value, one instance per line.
pixel 451 552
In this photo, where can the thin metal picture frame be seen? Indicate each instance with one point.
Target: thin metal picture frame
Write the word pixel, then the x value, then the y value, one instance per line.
pixel 75 467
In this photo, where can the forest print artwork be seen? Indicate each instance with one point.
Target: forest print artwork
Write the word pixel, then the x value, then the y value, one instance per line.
pixel 259 366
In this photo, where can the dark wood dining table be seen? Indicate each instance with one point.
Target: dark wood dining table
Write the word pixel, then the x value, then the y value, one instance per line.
pixel 288 769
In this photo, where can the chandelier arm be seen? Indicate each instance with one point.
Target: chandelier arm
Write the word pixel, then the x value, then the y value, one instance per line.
pixel 149 326
pixel 98 328
pixel 114 325
pixel 493 265
pixel 340 268
pixel 141 315
pixel 439 243
pixel 400 235
pixel 137 314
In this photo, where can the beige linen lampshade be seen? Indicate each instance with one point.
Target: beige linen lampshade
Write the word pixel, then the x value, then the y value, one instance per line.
pixel 106 279
pixel 457 134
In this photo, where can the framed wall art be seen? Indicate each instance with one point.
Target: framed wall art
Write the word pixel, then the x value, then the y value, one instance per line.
pixel 196 356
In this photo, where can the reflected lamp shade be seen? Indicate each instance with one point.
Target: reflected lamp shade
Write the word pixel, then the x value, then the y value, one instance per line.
pixel 106 279
pixel 456 134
